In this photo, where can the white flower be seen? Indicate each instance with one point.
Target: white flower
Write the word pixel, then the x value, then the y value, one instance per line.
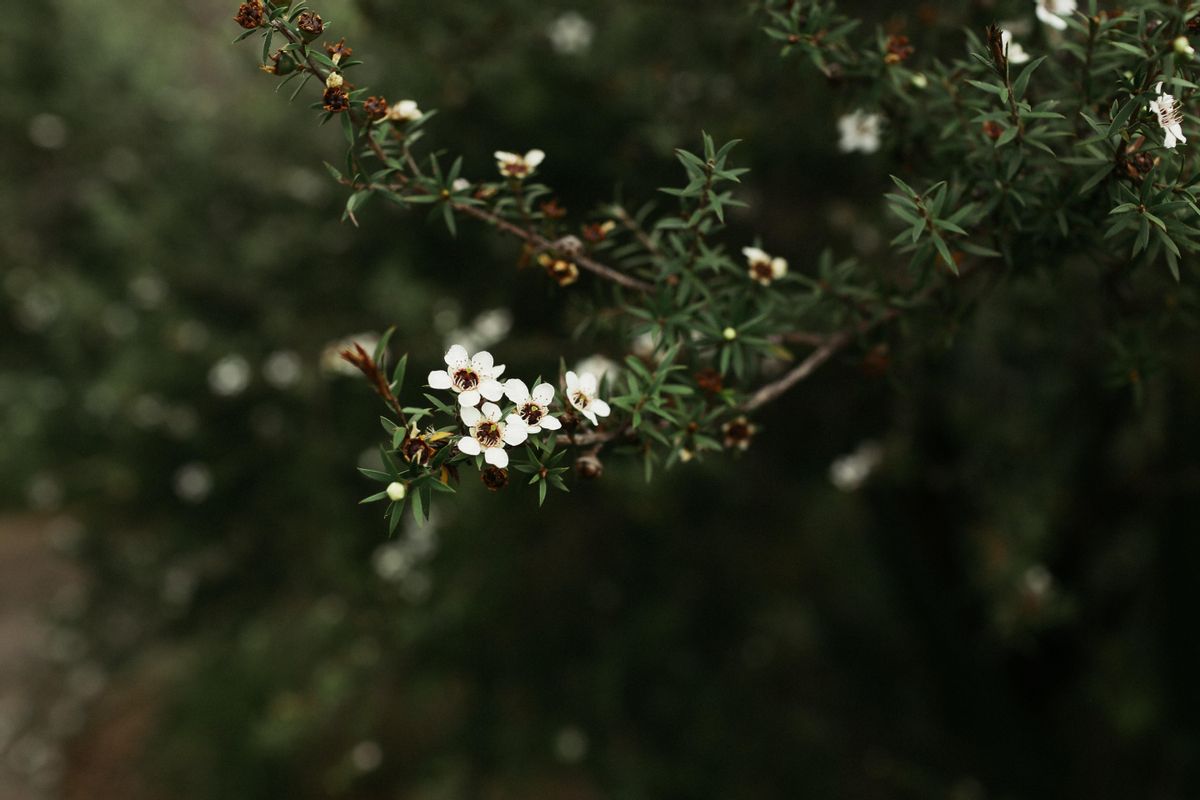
pixel 1016 53
pixel 570 34
pixel 470 378
pixel 532 407
pixel 1051 12
pixel 1166 108
pixel 849 472
pixel 599 366
pixel 581 393
pixel 490 431
pixel 460 185
pixel 404 111
pixel 762 267
pixel 859 131
pixel 512 165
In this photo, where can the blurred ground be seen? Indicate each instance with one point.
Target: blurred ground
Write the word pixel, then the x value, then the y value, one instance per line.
pixel 34 577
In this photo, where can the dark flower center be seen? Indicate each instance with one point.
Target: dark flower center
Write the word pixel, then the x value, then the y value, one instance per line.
pixel 532 413
pixel 488 434
pixel 581 400
pixel 465 379
pixel 762 270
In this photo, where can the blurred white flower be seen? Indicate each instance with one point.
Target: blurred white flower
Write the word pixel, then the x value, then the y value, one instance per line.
pixel 599 366
pixel 570 34
pixel 570 745
pixel 48 131
pixel 282 369
pixel 581 393
pixel 859 131
pixel 229 376
pixel 471 378
pixel 193 482
pixel 460 185
pixel 1051 12
pixel 850 472
pixel 331 355
pixel 533 407
pixel 1016 53
pixel 762 267
pixel 366 756
pixel 512 165
pixel 404 111
pixel 490 431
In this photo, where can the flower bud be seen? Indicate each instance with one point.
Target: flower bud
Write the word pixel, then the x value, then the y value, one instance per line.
pixel 730 334
pixel 334 80
pixel 396 491
pixel 494 478
pixel 1183 47
pixel 250 15
pixel 919 80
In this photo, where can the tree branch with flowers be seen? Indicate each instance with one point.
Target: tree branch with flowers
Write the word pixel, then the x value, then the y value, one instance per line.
pixel 999 153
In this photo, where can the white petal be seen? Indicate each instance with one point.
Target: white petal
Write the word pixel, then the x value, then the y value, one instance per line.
pixel 439 379
pixel 491 389
pixel 496 457
pixel 549 423
pixel 753 254
pixel 543 394
pixel 456 357
pixel 590 416
pixel 469 446
pixel 469 398
pixel 471 416
pixel 1169 140
pixel 505 157
pixel 516 390
pixel 1051 19
pixel 600 408
pixel 497 371
pixel 534 157
pixel 779 267
pixel 482 362
pixel 491 412
pixel 515 430
pixel 572 382
pixel 587 384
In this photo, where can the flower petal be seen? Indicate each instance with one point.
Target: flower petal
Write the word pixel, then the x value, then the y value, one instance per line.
pixel 543 393
pixel 587 383
pixel 482 361
pixel 469 398
pixel 471 416
pixel 534 157
pixel 515 430
pixel 549 423
pixel 439 379
pixel 600 408
pixel 505 157
pixel 572 382
pixel 591 417
pixel 497 370
pixel 516 390
pixel 496 457
pixel 491 389
pixel 469 446
pixel 1050 18
pixel 754 254
pixel 491 412
pixel 456 357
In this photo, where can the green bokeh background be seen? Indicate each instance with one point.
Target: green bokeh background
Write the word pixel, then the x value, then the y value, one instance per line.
pixel 1006 609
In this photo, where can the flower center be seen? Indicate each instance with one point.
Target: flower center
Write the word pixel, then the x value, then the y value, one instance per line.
pixel 516 169
pixel 488 433
pixel 762 270
pixel 581 400
pixel 532 413
pixel 465 379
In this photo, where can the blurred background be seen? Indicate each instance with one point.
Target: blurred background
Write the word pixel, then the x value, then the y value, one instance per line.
pixel 961 565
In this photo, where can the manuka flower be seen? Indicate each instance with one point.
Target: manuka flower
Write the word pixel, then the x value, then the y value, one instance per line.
pixel 1170 118
pixel 470 378
pixel 404 111
pixel 1016 53
pixel 762 267
pixel 1051 12
pixel 489 432
pixel 859 131
pixel 512 165
pixel 738 432
pixel 532 407
pixel 581 393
